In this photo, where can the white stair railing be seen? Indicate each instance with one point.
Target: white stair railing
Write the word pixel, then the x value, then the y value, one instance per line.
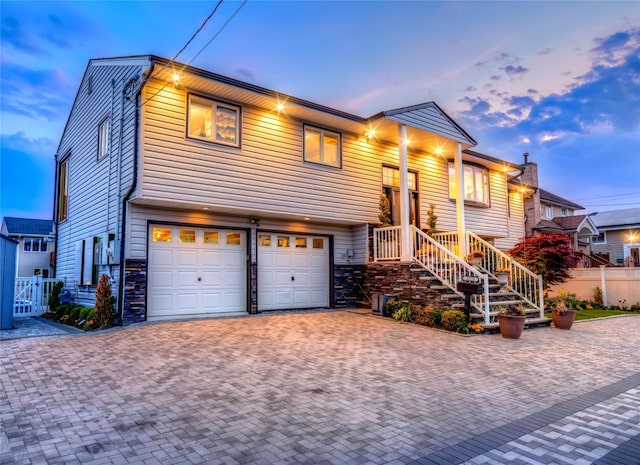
pixel 449 268
pixel 386 243
pixel 522 281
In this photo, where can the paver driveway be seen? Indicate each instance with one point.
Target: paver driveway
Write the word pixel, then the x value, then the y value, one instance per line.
pixel 334 387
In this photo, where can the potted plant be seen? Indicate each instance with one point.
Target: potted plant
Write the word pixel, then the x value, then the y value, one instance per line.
pixel 475 258
pixel 562 314
pixel 511 320
pixel 503 278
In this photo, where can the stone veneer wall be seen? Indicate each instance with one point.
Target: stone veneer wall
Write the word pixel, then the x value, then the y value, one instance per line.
pixel 347 285
pixel 410 284
pixel 135 289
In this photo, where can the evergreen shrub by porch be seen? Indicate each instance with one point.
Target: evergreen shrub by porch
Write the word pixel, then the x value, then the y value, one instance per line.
pixel 435 318
pixel 455 320
pixel 105 303
pixel 74 315
pixel 54 297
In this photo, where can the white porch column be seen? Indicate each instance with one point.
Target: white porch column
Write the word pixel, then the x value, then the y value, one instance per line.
pixel 403 165
pixel 462 239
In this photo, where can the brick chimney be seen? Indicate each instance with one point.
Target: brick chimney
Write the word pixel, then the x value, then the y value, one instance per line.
pixel 532 206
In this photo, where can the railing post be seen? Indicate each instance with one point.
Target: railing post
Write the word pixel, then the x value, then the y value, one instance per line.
pixel 487 307
pixel 541 290
pixel 375 245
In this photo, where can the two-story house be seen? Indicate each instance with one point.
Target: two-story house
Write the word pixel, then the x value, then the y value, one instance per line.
pixel 202 194
pixel 618 240
pixel 36 244
pixel 548 213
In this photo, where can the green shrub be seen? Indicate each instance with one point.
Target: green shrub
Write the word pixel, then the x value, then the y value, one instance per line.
pixel 62 310
pixel 392 306
pixel 83 313
pixel 403 313
pixel 54 297
pixel 74 315
pixel 455 320
pixel 90 322
pixel 422 315
pixel 435 318
pixel 597 298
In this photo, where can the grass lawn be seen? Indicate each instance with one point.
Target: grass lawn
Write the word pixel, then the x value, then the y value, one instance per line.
pixel 598 313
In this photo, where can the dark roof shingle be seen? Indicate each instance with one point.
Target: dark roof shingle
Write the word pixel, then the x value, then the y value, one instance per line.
pixel 553 198
pixel 28 226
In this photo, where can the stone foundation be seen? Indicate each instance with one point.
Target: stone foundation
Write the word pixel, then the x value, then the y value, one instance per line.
pixel 347 285
pixel 407 282
pixel 135 290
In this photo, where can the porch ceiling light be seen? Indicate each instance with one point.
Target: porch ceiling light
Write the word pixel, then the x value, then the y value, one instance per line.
pixel 280 107
pixel 371 133
pixel 176 79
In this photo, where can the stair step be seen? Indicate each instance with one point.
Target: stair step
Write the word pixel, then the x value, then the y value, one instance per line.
pixel 491 294
pixel 530 311
pixel 529 322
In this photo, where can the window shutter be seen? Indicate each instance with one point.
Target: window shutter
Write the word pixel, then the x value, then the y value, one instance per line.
pixel 77 264
pixel 87 265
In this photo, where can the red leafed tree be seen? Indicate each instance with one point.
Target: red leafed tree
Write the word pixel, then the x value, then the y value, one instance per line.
pixel 105 303
pixel 550 255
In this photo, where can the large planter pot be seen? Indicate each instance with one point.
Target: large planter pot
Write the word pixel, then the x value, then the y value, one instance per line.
pixel 563 321
pixel 511 326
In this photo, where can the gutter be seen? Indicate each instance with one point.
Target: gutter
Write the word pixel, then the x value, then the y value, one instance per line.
pixel 132 188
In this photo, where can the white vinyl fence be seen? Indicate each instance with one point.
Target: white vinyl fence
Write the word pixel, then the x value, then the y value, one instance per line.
pixel 31 296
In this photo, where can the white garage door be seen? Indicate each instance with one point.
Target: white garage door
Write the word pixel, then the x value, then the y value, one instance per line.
pixel 293 271
pixel 195 271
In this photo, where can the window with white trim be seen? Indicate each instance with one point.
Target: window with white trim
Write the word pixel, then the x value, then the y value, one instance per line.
pixel 476 184
pixel 548 211
pixel 599 239
pixel 103 138
pixel 44 272
pixel 34 244
pixel 213 121
pixel 63 190
pixel 565 211
pixel 322 146
pixel 391 189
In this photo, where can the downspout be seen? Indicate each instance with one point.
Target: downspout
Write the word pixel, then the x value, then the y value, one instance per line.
pixel 55 215
pixel 125 200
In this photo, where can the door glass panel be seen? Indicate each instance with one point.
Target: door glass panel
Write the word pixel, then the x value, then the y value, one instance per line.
pixel 301 242
pixel 318 243
pixel 283 241
pixel 187 236
pixel 161 235
pixel 233 238
pixel 264 240
pixel 395 208
pixel 211 237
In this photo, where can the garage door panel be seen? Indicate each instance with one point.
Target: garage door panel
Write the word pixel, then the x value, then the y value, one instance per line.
pixel 308 265
pixel 186 257
pixel 174 269
pixel 160 279
pixel 161 257
pixel 186 279
pixel 211 279
pixel 210 258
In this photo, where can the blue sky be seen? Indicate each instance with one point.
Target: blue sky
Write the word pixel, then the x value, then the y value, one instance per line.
pixel 560 80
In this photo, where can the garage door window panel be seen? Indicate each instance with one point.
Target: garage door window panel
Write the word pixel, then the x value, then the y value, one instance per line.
pixel 283 241
pixel 301 242
pixel 212 237
pixel 234 239
pixel 161 235
pixel 264 240
pixel 187 236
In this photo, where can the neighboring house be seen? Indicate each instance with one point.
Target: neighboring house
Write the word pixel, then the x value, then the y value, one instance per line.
pixel 618 238
pixel 215 195
pixel 547 213
pixel 36 245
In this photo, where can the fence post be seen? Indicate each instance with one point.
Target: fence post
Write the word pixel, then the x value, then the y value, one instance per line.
pixel 603 282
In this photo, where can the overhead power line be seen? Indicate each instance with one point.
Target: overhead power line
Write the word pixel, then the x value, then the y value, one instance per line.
pixel 199 29
pixel 635 204
pixel 609 196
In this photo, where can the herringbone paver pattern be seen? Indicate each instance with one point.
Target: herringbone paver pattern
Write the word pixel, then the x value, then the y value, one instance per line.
pixel 317 388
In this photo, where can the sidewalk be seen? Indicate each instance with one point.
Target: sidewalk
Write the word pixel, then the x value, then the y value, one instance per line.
pixel 36 327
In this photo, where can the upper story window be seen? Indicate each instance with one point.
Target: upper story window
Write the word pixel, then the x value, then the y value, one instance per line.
pixel 548 210
pixel 103 138
pixel 565 211
pixel 213 121
pixel 63 190
pixel 34 245
pixel 391 188
pixel 476 184
pixel 322 146
pixel 599 239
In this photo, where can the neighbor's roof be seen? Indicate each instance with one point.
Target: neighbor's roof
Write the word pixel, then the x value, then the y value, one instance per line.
pixel 567 224
pixel 29 226
pixel 629 217
pixel 553 198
